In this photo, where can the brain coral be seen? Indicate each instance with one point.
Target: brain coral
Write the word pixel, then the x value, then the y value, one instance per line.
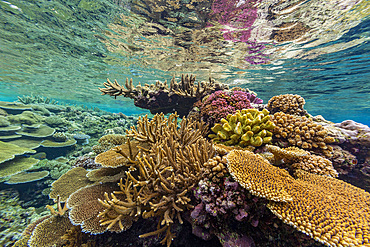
pixel 248 127
pixel 302 132
pixel 287 103
pixel 221 103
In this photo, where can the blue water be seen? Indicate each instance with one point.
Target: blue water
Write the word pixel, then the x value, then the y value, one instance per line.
pixel 60 49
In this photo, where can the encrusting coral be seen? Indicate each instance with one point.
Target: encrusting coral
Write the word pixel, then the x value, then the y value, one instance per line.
pixel 288 103
pixel 331 211
pixel 160 98
pixel 299 159
pixel 302 132
pixel 248 127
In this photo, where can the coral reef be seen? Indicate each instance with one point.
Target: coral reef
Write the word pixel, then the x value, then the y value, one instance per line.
pixel 302 132
pixel 222 103
pixel 160 98
pixel 36 99
pixel 248 127
pixel 288 103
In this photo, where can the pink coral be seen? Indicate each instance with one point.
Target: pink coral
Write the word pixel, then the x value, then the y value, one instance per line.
pixel 221 103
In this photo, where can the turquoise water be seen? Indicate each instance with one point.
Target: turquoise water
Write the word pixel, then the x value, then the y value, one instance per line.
pixel 65 50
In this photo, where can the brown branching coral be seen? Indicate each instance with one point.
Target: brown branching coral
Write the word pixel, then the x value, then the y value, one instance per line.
pixel 166 173
pixel 160 97
pixel 216 169
pixel 299 159
pixel 302 132
pixel 288 103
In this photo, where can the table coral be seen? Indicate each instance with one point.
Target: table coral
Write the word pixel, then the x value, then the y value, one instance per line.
pixel 302 132
pixel 329 210
pixel 221 103
pixel 248 127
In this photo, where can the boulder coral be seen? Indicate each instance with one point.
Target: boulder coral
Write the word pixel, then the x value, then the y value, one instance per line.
pixel 288 103
pixel 248 127
pixel 302 132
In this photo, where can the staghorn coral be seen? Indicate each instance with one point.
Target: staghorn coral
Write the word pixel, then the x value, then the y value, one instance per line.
pixel 302 132
pixel 221 103
pixel 258 176
pixel 299 159
pixel 177 97
pixel 248 127
pixel 288 103
pixel 163 176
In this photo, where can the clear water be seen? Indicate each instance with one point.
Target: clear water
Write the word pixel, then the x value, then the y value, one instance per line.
pixel 65 50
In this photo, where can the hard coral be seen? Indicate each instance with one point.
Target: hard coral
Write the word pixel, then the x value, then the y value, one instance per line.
pixel 248 127
pixel 178 97
pixel 258 176
pixel 302 132
pixel 167 171
pixel 331 211
pixel 299 159
pixel 221 103
pixel 287 103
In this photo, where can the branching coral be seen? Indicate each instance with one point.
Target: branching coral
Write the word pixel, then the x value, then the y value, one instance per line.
pixel 248 127
pixel 163 176
pixel 302 132
pixel 288 103
pixel 221 103
pixel 177 97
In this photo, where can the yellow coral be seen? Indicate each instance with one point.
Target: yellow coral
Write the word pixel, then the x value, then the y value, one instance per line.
pixel 302 132
pixel 329 210
pixel 248 127
pixel 258 176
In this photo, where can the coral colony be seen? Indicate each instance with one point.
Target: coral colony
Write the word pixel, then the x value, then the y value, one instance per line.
pixel 232 170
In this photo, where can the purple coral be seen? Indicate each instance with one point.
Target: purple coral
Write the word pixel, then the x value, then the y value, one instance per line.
pixel 222 103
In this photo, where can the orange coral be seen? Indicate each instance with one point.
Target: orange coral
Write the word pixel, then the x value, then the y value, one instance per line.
pixel 258 176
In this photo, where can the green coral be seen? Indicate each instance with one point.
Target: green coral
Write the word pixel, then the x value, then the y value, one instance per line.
pixel 248 127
